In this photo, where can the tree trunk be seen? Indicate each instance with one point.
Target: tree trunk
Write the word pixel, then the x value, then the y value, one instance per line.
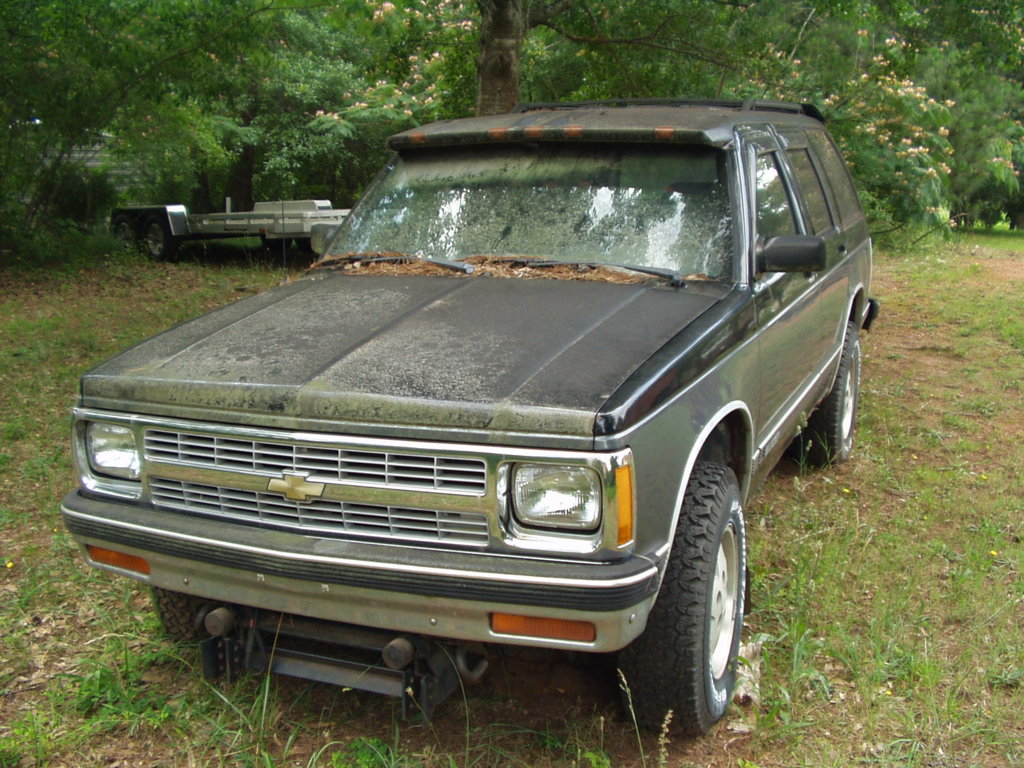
pixel 239 182
pixel 202 198
pixel 502 31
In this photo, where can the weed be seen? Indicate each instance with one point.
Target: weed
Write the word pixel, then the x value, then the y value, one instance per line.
pixel 13 429
pixel 1007 679
pixel 114 696
pixel 892 611
pixel 663 741
pixel 624 686
pixel 371 753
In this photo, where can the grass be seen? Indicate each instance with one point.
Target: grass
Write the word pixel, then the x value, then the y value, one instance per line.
pixel 1001 238
pixel 887 592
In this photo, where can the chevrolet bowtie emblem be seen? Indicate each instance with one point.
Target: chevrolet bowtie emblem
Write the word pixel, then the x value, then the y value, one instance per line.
pixel 295 487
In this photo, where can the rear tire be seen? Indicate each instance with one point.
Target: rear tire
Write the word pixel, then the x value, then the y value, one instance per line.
pixel 833 425
pixel 685 661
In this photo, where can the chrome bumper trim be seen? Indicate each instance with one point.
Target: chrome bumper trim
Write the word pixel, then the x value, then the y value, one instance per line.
pixel 606 587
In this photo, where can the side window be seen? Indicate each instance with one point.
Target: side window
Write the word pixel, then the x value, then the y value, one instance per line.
pixel 838 176
pixel 774 212
pixel 810 185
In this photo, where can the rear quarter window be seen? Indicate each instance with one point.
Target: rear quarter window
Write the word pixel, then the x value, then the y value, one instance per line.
pixel 838 177
pixel 811 187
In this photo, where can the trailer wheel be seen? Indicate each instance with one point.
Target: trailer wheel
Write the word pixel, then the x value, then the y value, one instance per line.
pixel 160 244
pixel 123 228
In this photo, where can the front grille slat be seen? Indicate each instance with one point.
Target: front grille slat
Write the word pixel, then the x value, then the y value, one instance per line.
pixel 398 470
pixel 322 516
pixel 357 466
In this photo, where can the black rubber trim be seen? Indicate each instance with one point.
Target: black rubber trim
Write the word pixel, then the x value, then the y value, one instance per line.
pixel 872 314
pixel 594 599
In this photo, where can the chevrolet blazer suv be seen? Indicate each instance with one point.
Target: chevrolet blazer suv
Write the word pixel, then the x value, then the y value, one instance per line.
pixel 521 398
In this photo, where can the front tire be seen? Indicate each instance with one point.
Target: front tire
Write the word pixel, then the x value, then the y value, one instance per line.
pixel 685 661
pixel 181 615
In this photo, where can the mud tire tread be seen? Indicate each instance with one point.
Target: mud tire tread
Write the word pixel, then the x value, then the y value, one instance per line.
pixel 665 667
pixel 177 612
pixel 826 444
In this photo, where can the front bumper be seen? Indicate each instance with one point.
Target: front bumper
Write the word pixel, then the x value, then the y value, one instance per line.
pixel 388 586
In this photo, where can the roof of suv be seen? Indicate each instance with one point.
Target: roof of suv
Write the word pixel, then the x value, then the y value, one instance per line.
pixel 657 120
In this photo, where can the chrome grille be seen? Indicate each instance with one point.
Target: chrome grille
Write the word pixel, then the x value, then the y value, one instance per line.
pixel 359 466
pixel 322 517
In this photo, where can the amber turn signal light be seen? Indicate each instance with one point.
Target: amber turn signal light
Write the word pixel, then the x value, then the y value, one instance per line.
pixel 118 559
pixel 536 626
pixel 624 503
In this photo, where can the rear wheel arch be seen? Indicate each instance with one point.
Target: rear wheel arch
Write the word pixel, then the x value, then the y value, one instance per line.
pixel 857 307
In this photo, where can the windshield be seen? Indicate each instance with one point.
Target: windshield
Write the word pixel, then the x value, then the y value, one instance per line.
pixel 628 204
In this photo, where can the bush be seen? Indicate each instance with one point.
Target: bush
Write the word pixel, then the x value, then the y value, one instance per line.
pixel 63 247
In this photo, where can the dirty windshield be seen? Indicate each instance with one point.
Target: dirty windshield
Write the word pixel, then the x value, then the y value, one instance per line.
pixel 626 204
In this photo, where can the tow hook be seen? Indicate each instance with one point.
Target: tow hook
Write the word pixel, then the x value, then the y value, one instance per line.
pixel 470 663
pixel 399 653
pixel 219 621
pixel 418 670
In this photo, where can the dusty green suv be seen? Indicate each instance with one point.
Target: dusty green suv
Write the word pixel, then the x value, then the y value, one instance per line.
pixel 521 399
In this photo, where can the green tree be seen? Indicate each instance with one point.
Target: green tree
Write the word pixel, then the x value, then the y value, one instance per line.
pixel 985 132
pixel 75 70
pixel 272 112
pixel 262 99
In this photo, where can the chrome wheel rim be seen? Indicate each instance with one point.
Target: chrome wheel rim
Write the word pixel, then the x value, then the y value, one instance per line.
pixel 154 239
pixel 724 596
pixel 850 395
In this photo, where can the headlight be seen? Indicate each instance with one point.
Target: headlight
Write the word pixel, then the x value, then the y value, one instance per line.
pixel 556 496
pixel 112 450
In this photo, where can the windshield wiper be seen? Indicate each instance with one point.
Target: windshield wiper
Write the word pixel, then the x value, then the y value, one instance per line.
pixel 675 279
pixel 374 257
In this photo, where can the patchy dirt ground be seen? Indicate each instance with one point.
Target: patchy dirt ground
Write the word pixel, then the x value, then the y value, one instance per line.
pixel 534 708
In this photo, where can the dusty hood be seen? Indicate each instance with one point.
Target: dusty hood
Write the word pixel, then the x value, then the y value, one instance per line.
pixel 482 353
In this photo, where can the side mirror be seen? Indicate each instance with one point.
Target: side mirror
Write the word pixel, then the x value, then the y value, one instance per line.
pixel 792 253
pixel 320 235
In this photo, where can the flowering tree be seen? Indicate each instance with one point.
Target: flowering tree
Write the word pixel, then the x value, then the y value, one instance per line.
pixel 275 98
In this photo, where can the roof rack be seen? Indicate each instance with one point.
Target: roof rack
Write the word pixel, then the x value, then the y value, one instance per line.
pixel 744 105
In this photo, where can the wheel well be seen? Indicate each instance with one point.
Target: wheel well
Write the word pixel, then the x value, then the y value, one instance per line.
pixel 729 444
pixel 857 309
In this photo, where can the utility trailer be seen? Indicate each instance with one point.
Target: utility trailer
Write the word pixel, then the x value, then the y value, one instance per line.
pixel 160 229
